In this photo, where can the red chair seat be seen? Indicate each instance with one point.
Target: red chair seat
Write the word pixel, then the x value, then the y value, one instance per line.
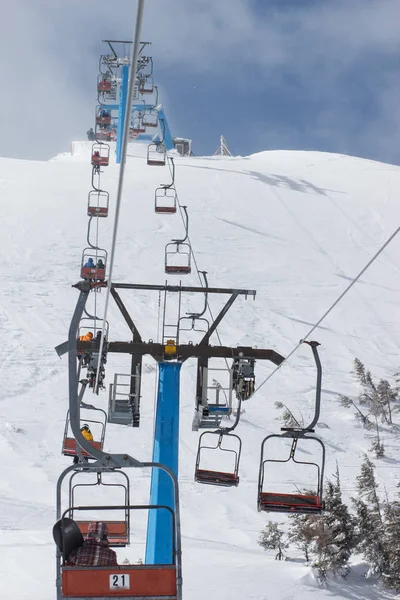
pixel 176 269
pixel 289 503
pixel 217 477
pixel 141 581
pixel 69 448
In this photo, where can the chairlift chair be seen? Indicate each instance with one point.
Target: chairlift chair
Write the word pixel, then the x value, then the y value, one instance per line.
pixel 150 118
pixel 104 86
pixel 118 530
pixel 100 155
pixel 301 503
pixel 98 201
pixel 94 263
pixel 69 446
pixel 218 477
pixel 146 85
pixel 126 581
pixel 94 325
pixel 137 125
pixel 178 252
pixel 103 135
pixel 156 154
pixel 178 258
pixel 165 200
pixel 103 117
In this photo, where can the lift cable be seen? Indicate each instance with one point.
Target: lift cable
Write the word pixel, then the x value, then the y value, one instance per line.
pixel 131 87
pixel 194 259
pixel 314 327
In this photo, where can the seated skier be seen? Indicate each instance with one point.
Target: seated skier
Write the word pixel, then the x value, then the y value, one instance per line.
pixel 89 263
pixel 95 550
pixel 87 337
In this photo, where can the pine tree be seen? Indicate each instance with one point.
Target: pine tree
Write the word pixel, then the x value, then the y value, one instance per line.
pixel 370 526
pixel 303 531
pixel 359 415
pixel 338 540
pixel 392 545
pixel 377 445
pixel 288 418
pixel 379 398
pixel 273 538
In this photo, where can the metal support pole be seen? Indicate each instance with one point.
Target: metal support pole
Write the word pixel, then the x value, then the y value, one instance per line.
pixel 165 451
pixel 122 110
pixel 131 86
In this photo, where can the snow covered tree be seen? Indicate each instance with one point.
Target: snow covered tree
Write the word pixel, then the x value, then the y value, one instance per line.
pixel 303 531
pixel 273 538
pixel 377 445
pixel 287 417
pixel 359 415
pixel 370 526
pixel 391 578
pixel 336 540
pixel 378 397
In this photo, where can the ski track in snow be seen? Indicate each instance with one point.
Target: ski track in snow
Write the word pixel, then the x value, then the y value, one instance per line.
pixel 295 226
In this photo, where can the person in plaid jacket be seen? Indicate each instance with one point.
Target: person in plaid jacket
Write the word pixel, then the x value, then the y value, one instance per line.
pixel 95 551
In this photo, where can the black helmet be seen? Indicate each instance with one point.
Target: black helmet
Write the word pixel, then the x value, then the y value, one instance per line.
pixel 86 427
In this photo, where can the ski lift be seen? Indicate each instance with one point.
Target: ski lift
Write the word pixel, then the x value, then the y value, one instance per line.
pixel 94 325
pixel 243 378
pixel 150 118
pixel 196 321
pixel 165 200
pixel 93 265
pixel 146 85
pixel 178 254
pixel 165 196
pixel 118 530
pixel 103 116
pixel 224 445
pixel 282 500
pixel 98 203
pixel 156 154
pixel 103 135
pixel 137 125
pixel 100 155
pixel 69 446
pixel 125 581
pixel 230 445
pixel 104 86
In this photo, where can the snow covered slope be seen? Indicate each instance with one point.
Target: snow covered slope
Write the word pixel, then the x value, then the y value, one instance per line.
pixel 295 226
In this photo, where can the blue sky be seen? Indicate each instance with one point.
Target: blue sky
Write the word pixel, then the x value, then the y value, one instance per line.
pixel 287 74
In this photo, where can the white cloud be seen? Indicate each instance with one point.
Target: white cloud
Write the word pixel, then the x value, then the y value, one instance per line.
pixel 52 49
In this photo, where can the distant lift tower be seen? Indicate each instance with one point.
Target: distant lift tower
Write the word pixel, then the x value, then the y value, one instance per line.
pixel 223 149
